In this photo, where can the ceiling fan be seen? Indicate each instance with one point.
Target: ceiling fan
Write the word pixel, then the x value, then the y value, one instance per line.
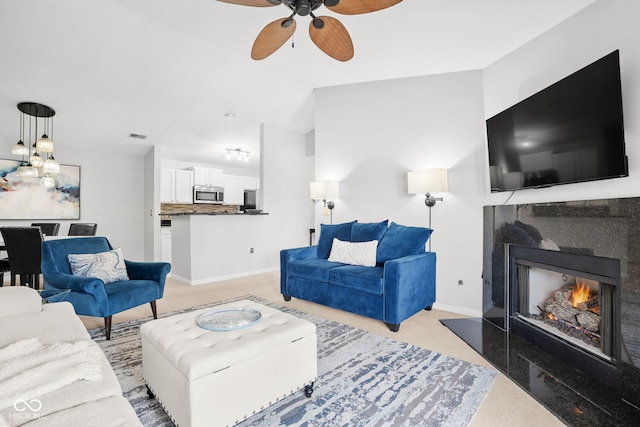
pixel 326 32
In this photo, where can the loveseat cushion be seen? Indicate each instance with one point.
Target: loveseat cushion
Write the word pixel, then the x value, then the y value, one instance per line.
pixel 367 231
pixel 312 268
pixel 400 241
pixel 366 279
pixel 328 233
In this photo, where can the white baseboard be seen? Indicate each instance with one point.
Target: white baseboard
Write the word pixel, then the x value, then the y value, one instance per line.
pixel 459 310
pixel 221 278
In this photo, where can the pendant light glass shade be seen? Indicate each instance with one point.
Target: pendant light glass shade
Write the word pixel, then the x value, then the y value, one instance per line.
pixel 36 161
pixel 44 144
pixel 47 182
pixel 19 149
pixel 51 165
pixel 27 171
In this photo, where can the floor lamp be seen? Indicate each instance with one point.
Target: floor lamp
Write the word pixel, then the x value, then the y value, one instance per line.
pixel 325 190
pixel 425 182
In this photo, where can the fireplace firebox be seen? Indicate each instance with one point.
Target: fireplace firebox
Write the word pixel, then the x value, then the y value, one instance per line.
pixel 569 305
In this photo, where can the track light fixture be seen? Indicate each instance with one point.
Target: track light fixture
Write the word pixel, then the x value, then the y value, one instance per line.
pixel 240 154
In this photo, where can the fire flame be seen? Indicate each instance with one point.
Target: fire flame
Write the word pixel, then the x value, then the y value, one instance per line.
pixel 580 293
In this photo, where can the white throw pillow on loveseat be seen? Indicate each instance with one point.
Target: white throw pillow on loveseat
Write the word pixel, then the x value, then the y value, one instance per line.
pixel 354 253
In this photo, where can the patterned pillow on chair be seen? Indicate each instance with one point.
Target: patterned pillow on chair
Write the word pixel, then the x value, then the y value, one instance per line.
pixel 107 266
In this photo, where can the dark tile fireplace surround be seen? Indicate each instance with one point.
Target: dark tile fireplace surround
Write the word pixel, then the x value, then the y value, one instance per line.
pixel 598 240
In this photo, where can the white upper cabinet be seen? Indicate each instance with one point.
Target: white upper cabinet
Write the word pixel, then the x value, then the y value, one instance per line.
pixel 167 189
pixel 233 191
pixel 216 177
pixel 176 186
pixel 250 183
pixel 184 186
pixel 207 176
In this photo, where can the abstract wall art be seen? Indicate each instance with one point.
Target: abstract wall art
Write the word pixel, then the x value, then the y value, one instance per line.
pixel 25 198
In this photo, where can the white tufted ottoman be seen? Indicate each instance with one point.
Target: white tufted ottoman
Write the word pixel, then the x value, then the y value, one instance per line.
pixel 210 378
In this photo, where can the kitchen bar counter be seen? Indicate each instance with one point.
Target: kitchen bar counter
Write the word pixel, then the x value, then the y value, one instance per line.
pixel 216 213
pixel 208 248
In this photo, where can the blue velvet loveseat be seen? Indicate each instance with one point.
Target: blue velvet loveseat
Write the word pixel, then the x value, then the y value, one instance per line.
pixel 398 283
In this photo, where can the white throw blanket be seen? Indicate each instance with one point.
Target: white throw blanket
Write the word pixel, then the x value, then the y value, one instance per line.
pixel 30 369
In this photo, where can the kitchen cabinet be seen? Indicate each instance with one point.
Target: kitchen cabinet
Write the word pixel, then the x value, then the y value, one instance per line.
pixel 250 183
pixel 176 186
pixel 233 191
pixel 207 176
pixel 166 185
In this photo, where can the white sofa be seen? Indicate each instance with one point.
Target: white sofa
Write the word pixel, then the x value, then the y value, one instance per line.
pixel 97 402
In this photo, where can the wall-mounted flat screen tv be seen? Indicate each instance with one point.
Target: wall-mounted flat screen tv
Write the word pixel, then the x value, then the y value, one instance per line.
pixel 570 132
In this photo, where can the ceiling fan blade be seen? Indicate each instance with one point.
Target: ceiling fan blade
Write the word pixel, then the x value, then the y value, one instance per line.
pixel 272 37
pixel 332 38
pixel 256 3
pixel 355 7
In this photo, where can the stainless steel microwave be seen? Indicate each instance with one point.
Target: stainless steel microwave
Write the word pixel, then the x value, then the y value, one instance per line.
pixel 202 194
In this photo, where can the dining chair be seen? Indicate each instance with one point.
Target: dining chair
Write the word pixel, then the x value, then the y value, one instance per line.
pixel 47 228
pixel 83 229
pixel 4 268
pixel 24 249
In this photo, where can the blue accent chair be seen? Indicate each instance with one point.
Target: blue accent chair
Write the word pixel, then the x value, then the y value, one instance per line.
pixel 90 296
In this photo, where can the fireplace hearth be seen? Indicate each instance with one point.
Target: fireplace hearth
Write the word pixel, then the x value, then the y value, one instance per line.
pixel 536 256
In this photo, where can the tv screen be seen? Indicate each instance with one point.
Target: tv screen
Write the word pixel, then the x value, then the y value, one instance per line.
pixel 570 132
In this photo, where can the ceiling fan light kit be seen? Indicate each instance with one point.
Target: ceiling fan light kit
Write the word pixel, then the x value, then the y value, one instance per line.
pixel 326 32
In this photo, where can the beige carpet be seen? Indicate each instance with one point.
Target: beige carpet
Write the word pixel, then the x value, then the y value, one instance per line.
pixel 506 404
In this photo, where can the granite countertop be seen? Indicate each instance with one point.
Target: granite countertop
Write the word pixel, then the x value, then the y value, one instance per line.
pixel 214 213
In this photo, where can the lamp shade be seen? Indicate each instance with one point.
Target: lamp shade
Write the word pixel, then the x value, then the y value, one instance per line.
pixel 324 190
pixel 427 181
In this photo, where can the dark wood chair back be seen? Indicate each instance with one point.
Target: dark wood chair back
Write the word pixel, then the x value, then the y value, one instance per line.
pixel 47 228
pixel 4 267
pixel 24 249
pixel 83 229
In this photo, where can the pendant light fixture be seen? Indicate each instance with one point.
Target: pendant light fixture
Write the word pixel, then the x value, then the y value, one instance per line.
pixel 39 155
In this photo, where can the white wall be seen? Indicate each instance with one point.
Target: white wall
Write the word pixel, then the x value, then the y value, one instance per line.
pixel 286 173
pixel 152 205
pixel 592 33
pixel 369 135
pixel 111 195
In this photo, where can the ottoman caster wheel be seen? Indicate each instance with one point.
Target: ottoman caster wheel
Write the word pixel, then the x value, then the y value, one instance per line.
pixel 150 393
pixel 308 390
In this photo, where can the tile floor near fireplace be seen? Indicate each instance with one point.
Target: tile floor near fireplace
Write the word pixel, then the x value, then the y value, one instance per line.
pixel 534 256
pixel 571 395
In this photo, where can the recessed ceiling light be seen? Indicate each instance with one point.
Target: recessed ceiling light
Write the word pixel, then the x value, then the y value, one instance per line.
pixel 229 116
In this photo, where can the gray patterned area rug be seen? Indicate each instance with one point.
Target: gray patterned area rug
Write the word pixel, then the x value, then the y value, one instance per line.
pixel 363 380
